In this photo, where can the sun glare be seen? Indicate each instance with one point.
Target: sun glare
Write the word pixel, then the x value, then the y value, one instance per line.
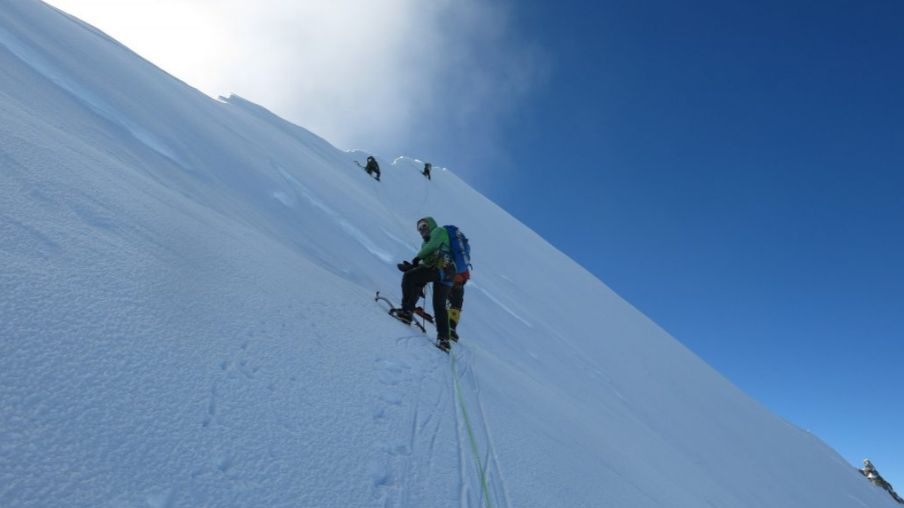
pixel 181 39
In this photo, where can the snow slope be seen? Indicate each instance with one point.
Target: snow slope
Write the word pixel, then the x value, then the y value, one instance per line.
pixel 187 319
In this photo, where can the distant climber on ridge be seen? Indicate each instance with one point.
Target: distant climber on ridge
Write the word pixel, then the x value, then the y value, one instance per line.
pixel 426 171
pixel 372 167
pixel 870 472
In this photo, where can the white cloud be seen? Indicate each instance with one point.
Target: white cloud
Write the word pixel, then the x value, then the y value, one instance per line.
pixel 432 77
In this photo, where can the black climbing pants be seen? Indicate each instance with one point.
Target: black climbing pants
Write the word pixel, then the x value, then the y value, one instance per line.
pixel 413 281
pixel 457 296
pixel 456 300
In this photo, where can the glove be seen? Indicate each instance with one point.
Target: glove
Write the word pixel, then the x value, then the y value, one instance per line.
pixel 404 266
pixel 415 261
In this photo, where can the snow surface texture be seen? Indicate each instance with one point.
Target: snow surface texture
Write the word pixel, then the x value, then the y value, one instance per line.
pixel 187 319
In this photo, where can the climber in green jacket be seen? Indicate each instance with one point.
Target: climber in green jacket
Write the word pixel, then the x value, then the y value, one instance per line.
pixel 432 263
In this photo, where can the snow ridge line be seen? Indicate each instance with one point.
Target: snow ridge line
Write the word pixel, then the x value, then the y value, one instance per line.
pixel 473 442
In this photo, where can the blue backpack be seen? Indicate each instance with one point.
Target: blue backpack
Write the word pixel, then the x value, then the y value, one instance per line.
pixel 461 250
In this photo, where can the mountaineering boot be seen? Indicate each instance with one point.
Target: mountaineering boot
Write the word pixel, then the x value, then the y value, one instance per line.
pixel 443 343
pixel 404 316
pixel 422 313
pixel 454 316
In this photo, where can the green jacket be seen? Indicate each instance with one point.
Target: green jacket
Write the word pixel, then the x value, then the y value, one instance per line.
pixel 435 251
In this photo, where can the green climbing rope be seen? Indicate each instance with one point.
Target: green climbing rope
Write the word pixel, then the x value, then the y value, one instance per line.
pixel 473 441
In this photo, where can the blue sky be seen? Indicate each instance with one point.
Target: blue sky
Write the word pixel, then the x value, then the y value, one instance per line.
pixel 733 169
pixel 736 171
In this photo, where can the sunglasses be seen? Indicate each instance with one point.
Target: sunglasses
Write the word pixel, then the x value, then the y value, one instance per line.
pixel 423 227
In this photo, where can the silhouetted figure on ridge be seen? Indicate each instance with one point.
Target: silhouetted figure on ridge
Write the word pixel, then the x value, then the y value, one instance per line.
pixel 372 167
pixel 870 472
